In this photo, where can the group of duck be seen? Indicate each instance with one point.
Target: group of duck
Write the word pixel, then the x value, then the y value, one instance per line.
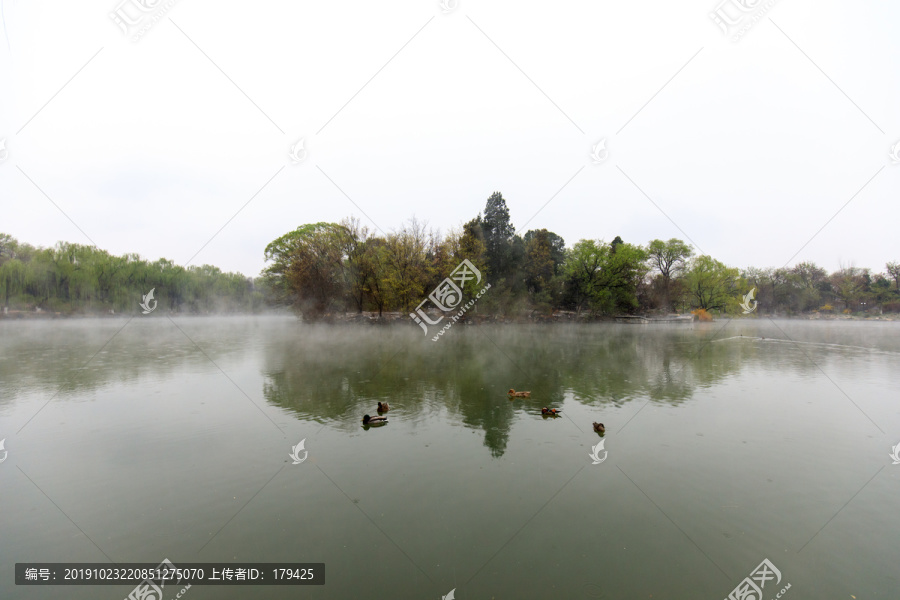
pixel 550 412
pixel 383 407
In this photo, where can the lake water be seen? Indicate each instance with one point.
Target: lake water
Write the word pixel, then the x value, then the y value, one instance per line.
pixel 726 443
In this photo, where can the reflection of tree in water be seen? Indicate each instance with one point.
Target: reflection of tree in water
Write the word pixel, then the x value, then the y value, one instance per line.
pixel 619 363
pixel 333 374
pixel 78 356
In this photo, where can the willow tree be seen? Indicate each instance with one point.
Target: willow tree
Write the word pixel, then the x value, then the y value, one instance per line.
pixel 711 284
pixel 306 268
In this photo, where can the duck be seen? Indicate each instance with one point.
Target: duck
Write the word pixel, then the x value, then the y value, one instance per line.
pixel 367 420
pixel 599 428
pixel 550 411
pixel 383 407
pixel 516 394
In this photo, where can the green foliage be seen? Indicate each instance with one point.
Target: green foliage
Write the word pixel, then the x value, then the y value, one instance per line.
pixel 536 272
pixel 893 269
pixel 498 232
pixel 602 280
pixel 669 260
pixel 74 278
pixel 712 285
pixel 308 267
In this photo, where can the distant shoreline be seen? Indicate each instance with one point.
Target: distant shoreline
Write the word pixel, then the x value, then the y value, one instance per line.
pixel 392 318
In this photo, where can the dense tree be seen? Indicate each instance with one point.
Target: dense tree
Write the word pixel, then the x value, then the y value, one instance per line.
pixel 850 285
pixel 74 278
pixel 710 284
pixel 321 269
pixel 615 243
pixel 557 244
pixel 376 261
pixel 669 260
pixel 408 273
pixel 471 243
pixel 809 282
pixel 498 233
pixel 893 269
pixel 536 271
pixel 603 280
pixel 540 267
pixel 293 256
pixel 352 237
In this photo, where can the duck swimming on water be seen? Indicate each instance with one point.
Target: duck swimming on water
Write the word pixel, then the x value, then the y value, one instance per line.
pixel 367 420
pixel 383 407
pixel 599 428
pixel 514 394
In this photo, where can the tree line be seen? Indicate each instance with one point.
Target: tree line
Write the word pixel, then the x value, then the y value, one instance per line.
pixel 322 269
pixel 326 268
pixel 75 278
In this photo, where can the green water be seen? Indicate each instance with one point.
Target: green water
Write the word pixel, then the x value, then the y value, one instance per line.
pixel 134 441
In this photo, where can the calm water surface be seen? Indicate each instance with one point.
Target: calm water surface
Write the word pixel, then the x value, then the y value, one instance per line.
pixel 728 443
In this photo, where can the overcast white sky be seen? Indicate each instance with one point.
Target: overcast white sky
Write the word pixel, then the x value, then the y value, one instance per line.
pixel 745 148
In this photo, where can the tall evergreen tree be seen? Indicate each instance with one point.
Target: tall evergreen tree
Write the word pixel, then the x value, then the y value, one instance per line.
pixel 498 233
pixel 615 244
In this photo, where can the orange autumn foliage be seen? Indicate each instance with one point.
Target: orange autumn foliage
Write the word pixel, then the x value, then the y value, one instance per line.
pixel 702 315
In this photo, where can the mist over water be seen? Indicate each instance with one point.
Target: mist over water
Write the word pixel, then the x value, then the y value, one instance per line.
pixel 728 442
